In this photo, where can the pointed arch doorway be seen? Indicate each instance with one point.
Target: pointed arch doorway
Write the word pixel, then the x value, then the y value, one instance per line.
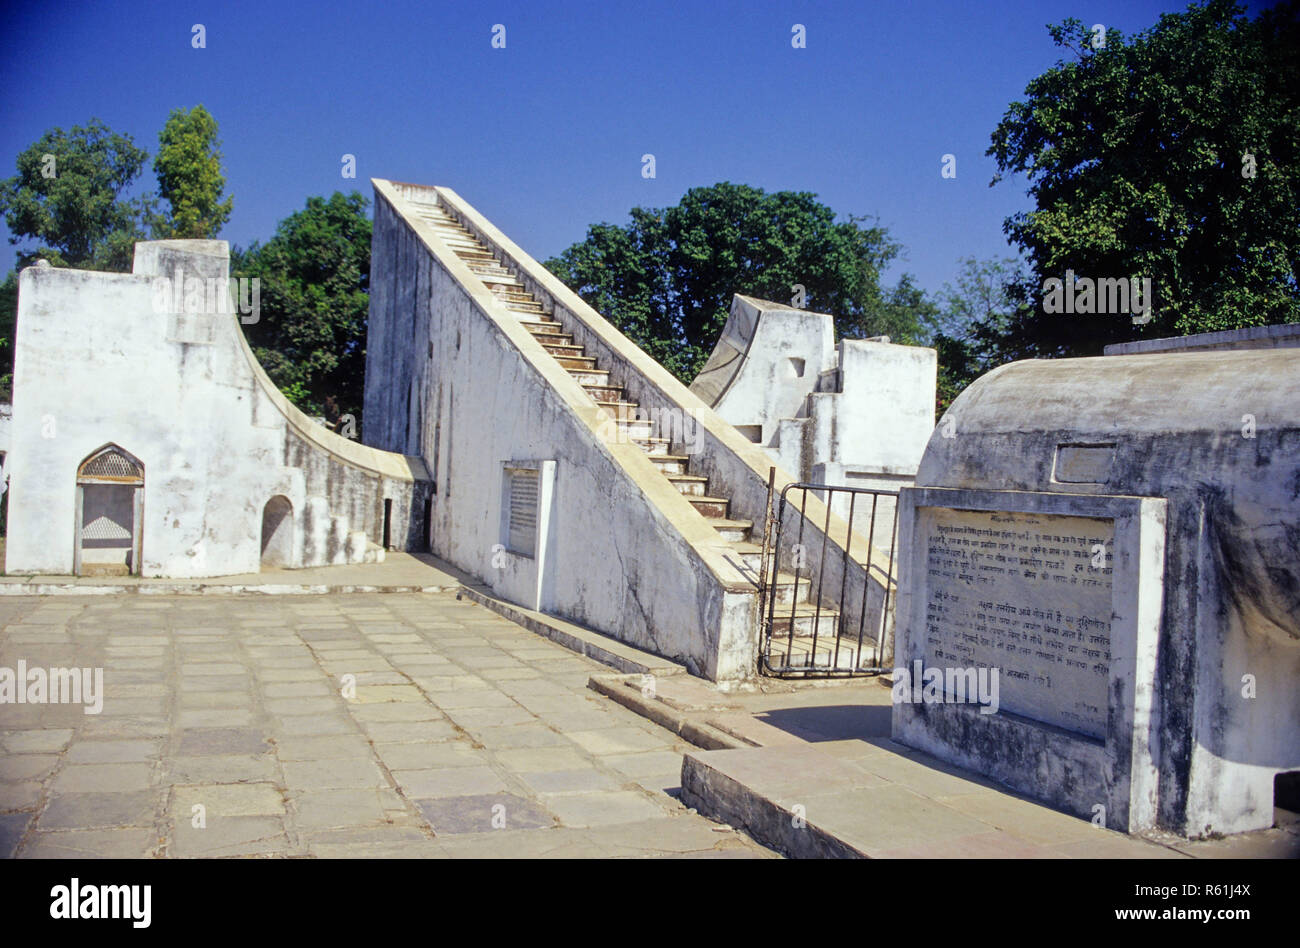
pixel 110 513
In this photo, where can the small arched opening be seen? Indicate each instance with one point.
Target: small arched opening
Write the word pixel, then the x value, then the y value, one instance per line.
pixel 277 532
pixel 110 513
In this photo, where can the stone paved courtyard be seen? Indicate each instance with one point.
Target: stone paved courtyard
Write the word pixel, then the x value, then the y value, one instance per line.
pixel 467 736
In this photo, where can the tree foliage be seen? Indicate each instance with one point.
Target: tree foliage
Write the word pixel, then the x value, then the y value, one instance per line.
pixel 188 167
pixel 315 281
pixel 971 326
pixel 67 196
pixel 1174 155
pixel 8 310
pixel 666 278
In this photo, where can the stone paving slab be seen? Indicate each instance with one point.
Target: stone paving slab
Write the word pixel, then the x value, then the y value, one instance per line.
pixel 92 844
pixel 393 725
pixel 480 813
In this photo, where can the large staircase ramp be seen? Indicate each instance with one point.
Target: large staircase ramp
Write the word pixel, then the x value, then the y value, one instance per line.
pixel 671 562
pixel 732 464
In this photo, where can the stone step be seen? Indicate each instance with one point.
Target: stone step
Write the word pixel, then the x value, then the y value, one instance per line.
pixel 474 257
pixel 554 334
pixel 468 246
pixel 631 429
pixel 652 446
pixel 603 393
pixel 790 587
pixel 494 273
pixel 441 225
pixel 456 238
pixel 493 282
pixel 732 530
pixel 585 370
pixel 670 464
pixel 465 242
pixel 491 273
pixel 805 617
pixel 564 350
pixel 532 321
pixel 690 484
pixel 802 652
pixel 623 411
pixel 751 554
pixel 788 590
pixel 712 507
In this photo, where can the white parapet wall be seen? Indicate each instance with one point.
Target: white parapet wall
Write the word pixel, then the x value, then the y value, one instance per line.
pixel 856 414
pixel 206 466
pixel 766 363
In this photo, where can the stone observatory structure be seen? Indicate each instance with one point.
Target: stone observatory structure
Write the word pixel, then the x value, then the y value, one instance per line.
pixel 146 438
pixel 853 414
pixel 1119 537
pixel 574 474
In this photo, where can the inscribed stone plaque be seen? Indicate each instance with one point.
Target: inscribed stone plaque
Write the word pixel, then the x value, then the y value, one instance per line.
pixel 1030 595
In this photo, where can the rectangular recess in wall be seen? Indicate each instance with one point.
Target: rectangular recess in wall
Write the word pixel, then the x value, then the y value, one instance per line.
pixel 520 493
pixel 1083 463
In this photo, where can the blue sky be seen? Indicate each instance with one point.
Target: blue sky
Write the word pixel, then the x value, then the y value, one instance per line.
pixel 546 135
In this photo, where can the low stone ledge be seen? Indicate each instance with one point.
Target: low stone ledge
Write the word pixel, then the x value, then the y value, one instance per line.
pixel 715 793
pixel 594 645
pixel 627 691
pixel 206 589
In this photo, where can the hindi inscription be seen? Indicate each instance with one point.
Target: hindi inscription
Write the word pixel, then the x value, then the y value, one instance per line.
pixel 1029 595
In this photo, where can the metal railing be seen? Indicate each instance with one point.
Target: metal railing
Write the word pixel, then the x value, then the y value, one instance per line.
pixel 812 635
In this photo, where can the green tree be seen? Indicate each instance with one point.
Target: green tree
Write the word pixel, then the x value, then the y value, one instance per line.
pixel 314 293
pixel 971 327
pixel 1175 156
pixel 8 312
pixel 666 278
pixel 67 196
pixel 188 167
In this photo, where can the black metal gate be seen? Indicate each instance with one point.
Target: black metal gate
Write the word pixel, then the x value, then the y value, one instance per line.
pixel 825 618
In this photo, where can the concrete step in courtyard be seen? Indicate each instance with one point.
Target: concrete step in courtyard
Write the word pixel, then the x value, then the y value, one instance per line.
pixel 809 769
